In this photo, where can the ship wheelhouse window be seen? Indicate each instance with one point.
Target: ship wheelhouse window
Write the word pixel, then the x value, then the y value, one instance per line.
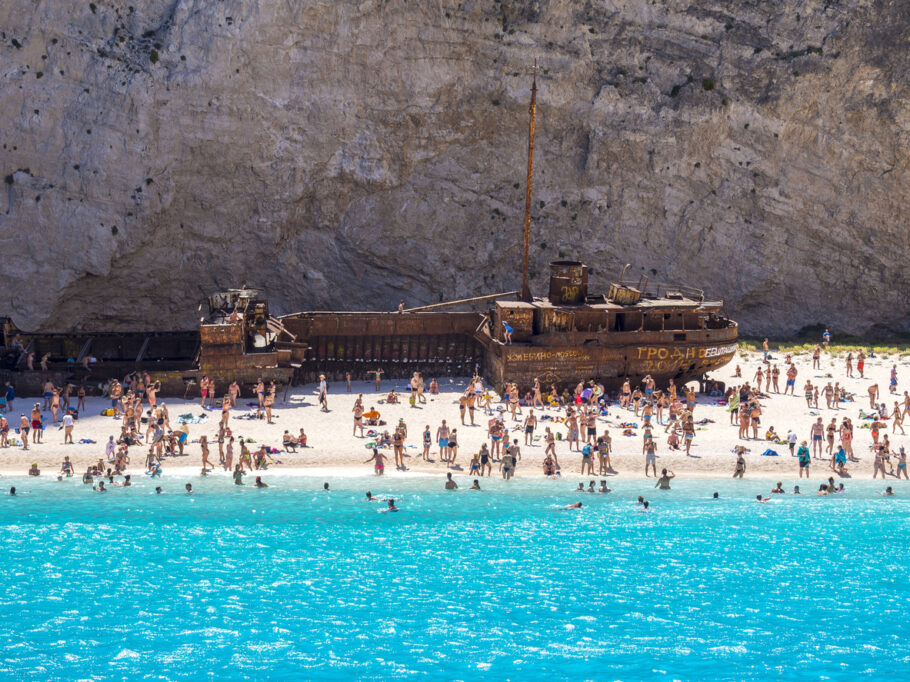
pixel 628 322
pixel 679 337
pixel 654 322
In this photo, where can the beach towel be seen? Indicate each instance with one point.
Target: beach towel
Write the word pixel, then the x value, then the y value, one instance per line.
pixel 769 453
pixel 85 441
pixel 190 419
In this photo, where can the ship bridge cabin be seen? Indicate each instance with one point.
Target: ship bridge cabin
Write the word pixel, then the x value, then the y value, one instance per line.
pixel 571 316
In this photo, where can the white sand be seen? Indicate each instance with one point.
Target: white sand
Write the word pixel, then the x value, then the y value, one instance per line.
pixel 334 451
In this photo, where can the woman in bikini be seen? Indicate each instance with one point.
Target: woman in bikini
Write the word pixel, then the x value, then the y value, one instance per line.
pixel 378 462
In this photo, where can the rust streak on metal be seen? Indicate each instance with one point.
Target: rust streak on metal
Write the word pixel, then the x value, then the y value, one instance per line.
pixel 449 304
pixel 532 110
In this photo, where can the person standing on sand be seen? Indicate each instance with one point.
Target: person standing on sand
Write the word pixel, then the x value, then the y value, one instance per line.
pixel 204 446
pixel 817 432
pixel 24 427
pixel 860 364
pixel 873 396
pixel 808 390
pixel 791 379
pixel 203 390
pixel 898 418
pixel 740 469
pixel 804 459
pixel 688 429
pixel 37 425
pixel 427 441
pixel 572 426
pixel 816 357
pixel 323 393
pixel 650 451
pixel 67 428
pixel 358 419
pixel 515 453
pixel 442 438
pixel 471 400
pixel 398 446
pixel 530 423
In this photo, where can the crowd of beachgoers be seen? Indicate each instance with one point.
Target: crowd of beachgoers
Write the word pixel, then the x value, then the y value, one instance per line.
pixel 818 413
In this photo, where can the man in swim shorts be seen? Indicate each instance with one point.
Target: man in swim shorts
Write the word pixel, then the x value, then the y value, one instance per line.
pixel 442 437
pixel 791 379
pixel 818 433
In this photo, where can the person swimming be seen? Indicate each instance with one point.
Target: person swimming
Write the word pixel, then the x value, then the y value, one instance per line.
pixel 189 488
pixel 576 505
pixel 888 491
pixel 370 497
pixel 759 498
pixel 158 490
pixel 475 485
pixel 325 487
pixel 716 496
pixel 391 507
pixel 796 490
pixel 603 487
pixel 645 506
pixel 641 500
pixel 100 487
pixel 12 491
pixel 259 483
pixel 777 489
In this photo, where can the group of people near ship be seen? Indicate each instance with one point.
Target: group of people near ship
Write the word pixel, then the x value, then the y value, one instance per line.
pixel 553 423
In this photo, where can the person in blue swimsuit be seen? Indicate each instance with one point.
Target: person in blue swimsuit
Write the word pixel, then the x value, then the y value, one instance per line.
pixel 507 335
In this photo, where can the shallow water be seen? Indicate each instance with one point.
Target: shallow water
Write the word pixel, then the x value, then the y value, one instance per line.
pixel 292 582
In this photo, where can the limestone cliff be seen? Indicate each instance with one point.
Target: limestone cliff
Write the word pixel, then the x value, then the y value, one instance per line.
pixel 346 154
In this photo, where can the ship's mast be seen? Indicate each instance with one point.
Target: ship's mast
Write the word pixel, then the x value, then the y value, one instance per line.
pixel 525 289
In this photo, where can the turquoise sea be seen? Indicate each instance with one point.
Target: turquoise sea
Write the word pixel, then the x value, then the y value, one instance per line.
pixel 295 583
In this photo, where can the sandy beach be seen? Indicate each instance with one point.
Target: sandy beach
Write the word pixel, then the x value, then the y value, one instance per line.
pixel 334 452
